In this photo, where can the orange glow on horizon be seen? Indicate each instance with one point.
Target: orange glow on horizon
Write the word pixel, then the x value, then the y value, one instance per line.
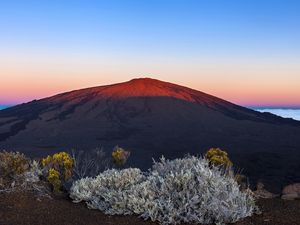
pixel 244 83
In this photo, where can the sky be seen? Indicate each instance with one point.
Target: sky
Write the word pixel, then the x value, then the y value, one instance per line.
pixel 247 52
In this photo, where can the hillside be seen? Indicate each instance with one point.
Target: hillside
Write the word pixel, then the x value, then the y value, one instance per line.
pixel 153 118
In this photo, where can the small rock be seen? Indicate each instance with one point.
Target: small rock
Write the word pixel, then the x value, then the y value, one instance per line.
pixel 290 196
pixel 261 192
pixel 291 189
pixel 291 192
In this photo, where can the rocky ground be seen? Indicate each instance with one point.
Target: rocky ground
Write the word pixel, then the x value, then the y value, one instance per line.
pixel 27 209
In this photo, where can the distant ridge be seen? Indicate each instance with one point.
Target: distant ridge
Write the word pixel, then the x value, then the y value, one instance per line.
pixel 153 118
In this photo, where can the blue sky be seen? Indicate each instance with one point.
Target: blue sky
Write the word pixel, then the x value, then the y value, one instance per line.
pixel 201 44
pixel 260 28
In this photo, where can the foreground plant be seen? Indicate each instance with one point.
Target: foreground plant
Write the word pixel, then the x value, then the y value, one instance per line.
pixel 188 190
pixel 120 156
pixel 58 169
pixel 13 163
pixel 218 157
pixel 19 173
pixel 89 163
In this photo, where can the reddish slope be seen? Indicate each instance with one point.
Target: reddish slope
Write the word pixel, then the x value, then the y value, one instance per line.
pixel 147 88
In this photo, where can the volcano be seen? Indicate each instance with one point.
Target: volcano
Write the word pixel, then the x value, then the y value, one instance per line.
pixel 153 118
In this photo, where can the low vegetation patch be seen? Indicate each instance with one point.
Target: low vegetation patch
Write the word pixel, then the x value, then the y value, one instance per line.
pixel 90 163
pixel 182 190
pixel 201 190
pixel 58 169
pixel 18 172
pixel 55 172
pixel 120 156
pixel 218 157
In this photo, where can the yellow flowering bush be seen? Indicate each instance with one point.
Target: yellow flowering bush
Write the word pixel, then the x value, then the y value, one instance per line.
pixel 59 169
pixel 120 156
pixel 218 157
pixel 54 179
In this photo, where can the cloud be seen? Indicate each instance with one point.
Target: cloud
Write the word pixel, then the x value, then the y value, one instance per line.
pixel 287 113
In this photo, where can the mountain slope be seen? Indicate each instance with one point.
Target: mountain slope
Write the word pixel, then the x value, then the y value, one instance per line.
pixel 154 118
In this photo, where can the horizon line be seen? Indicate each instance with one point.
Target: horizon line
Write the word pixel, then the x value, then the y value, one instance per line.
pixel 8 105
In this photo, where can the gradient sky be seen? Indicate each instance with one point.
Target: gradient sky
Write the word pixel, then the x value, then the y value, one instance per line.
pixel 246 51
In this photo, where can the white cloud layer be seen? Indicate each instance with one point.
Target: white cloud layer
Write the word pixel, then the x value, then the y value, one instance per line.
pixel 287 113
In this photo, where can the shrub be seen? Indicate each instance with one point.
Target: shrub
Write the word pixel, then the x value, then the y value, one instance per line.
pixel 17 172
pixel 54 179
pixel 12 164
pixel 34 173
pixel 108 191
pixel 218 157
pixel 186 190
pixel 120 156
pixel 89 163
pixel 58 169
pixel 31 180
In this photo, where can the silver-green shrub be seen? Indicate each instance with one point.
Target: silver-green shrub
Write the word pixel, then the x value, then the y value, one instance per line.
pixel 181 190
pixel 108 191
